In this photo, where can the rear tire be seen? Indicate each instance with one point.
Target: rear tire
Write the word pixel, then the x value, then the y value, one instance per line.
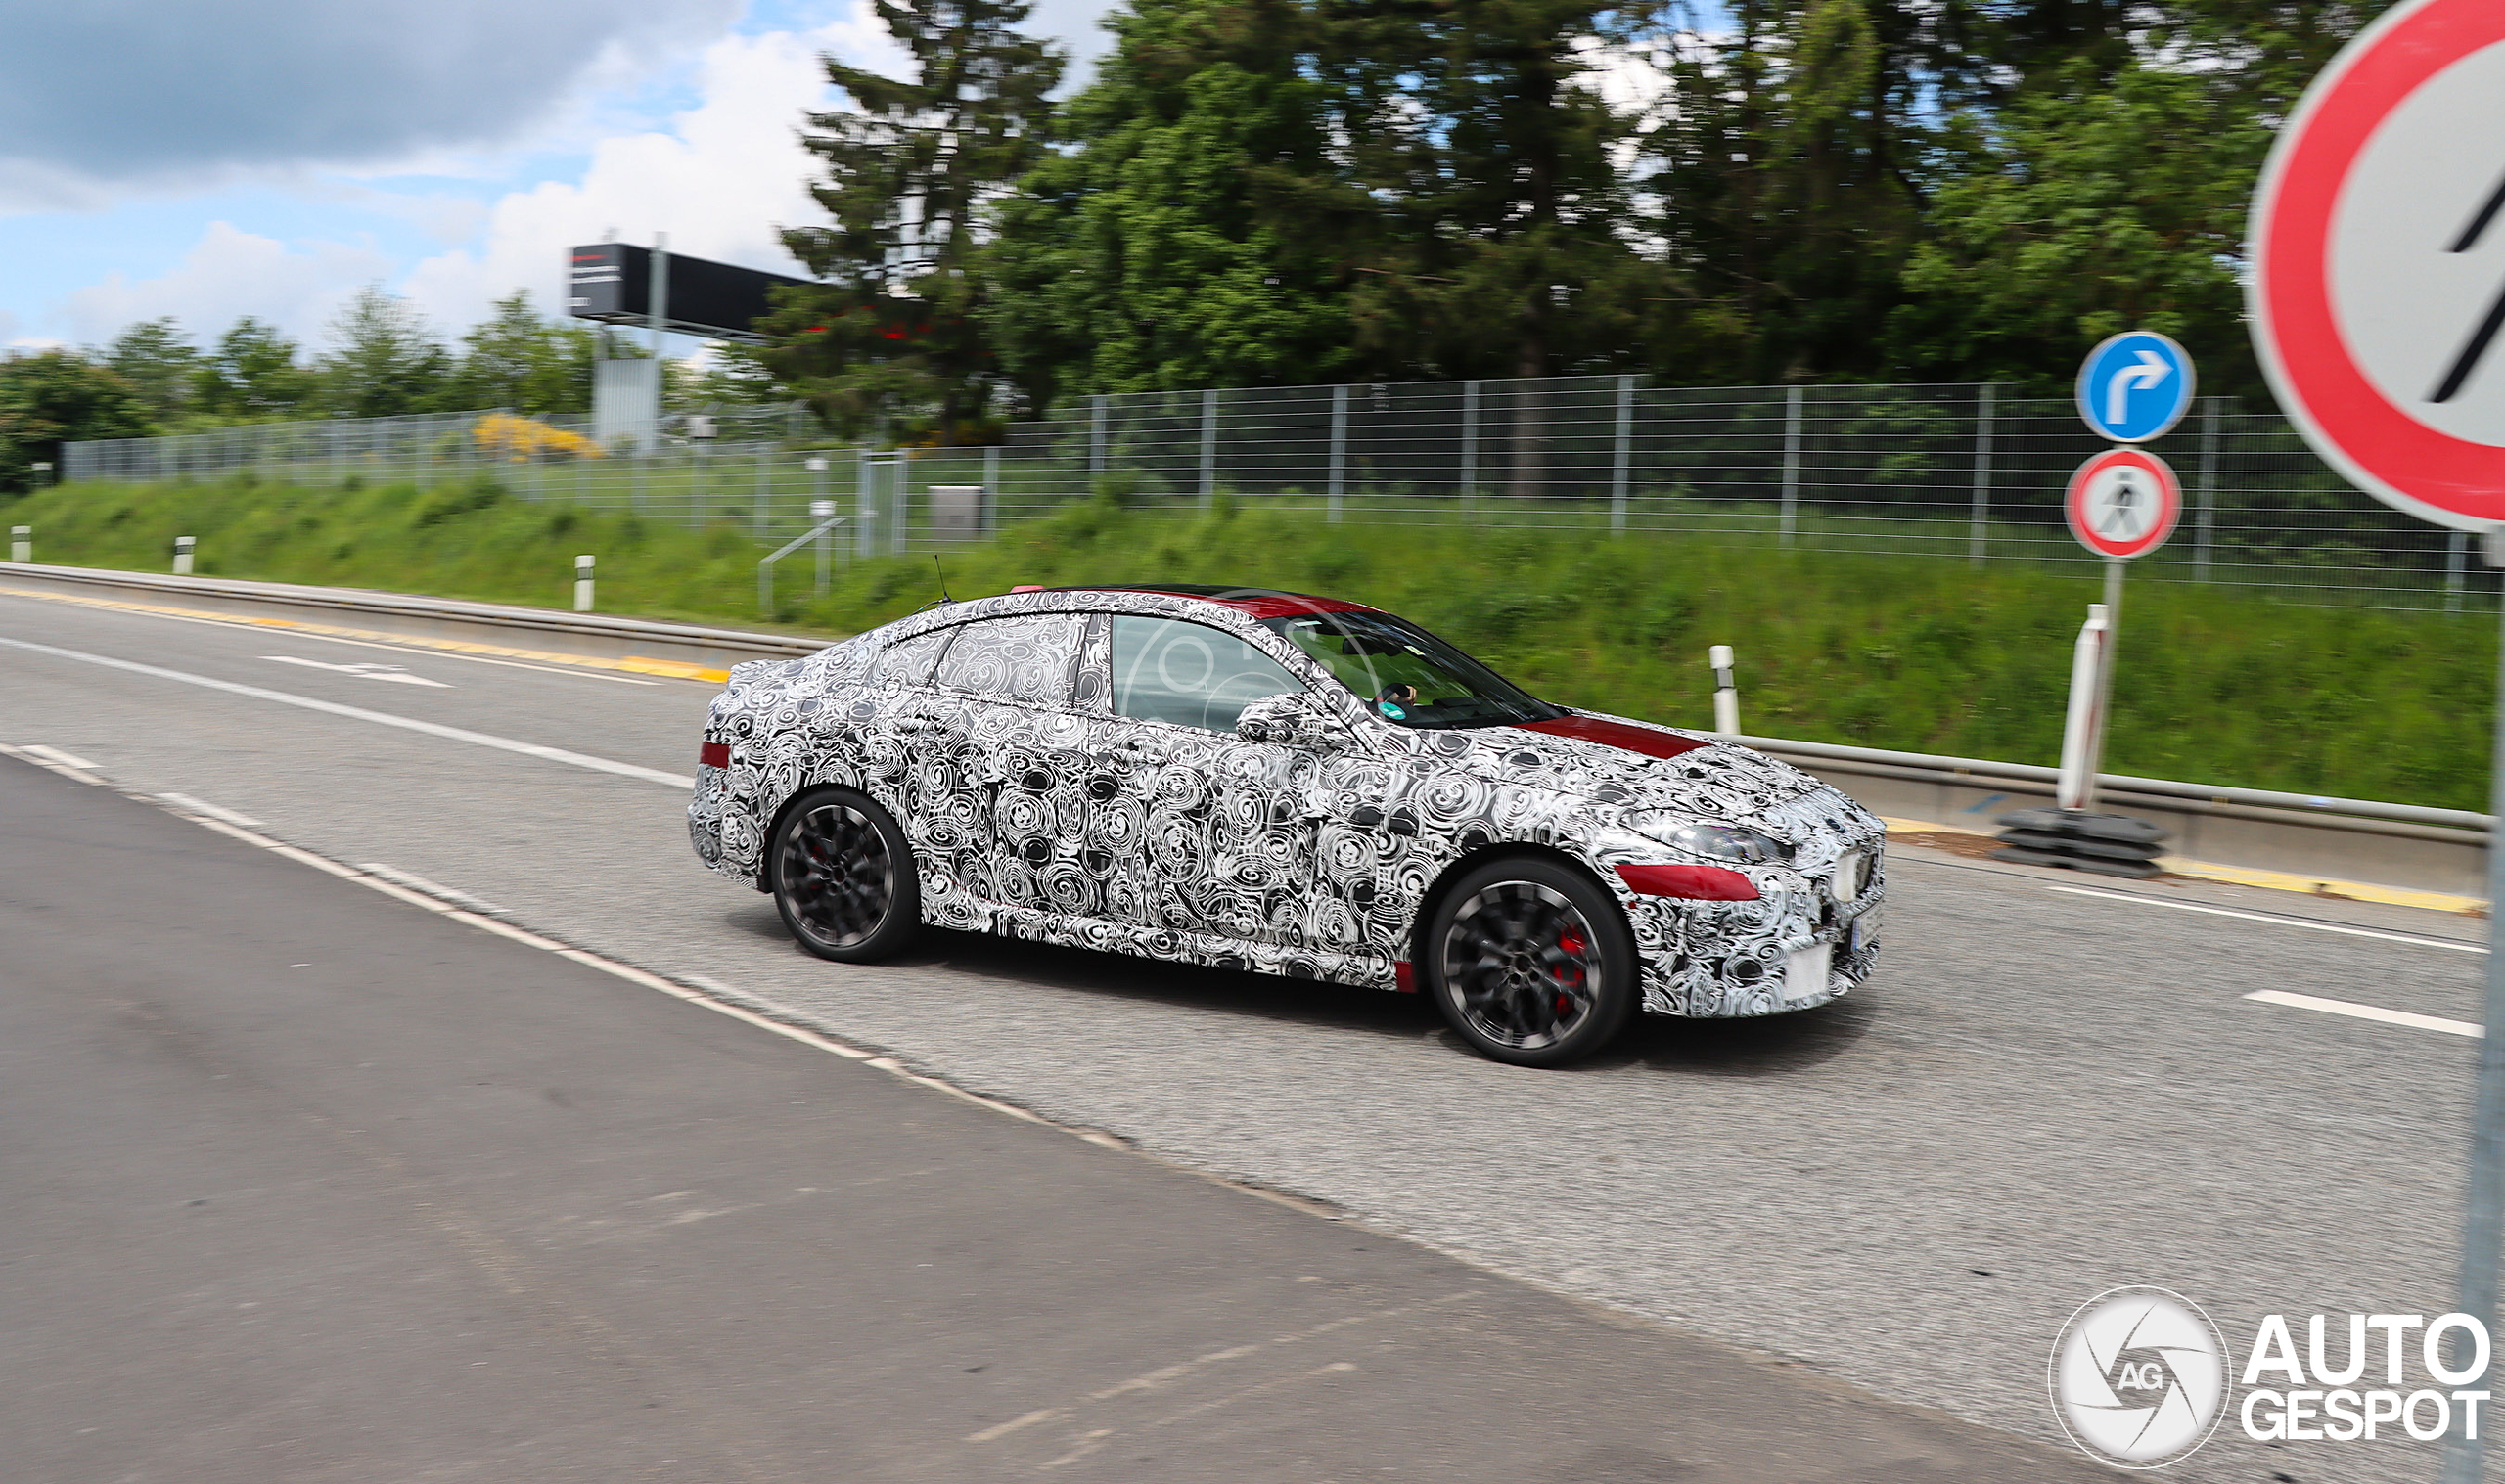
pixel 1531 962
pixel 843 877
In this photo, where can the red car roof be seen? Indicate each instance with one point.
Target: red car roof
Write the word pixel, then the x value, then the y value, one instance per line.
pixel 1255 601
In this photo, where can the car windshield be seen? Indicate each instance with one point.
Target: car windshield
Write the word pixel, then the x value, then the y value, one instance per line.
pixel 1407 675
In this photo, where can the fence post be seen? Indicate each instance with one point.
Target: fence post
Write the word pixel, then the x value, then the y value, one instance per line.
pixel 2209 489
pixel 1208 448
pixel 897 509
pixel 822 512
pixel 1791 463
pixel 989 519
pixel 1095 439
pixel 1980 533
pixel 1624 454
pixel 764 491
pixel 1339 445
pixel 2456 559
pixel 1468 444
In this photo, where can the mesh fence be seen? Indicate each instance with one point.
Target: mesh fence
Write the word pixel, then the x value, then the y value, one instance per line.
pixel 1964 471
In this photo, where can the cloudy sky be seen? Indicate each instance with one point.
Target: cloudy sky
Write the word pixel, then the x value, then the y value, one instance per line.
pixel 210 158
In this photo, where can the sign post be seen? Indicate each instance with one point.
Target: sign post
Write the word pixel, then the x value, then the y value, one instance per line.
pixel 2121 504
pixel 2377 297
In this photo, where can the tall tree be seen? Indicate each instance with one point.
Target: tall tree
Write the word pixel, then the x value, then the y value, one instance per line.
pixel 51 397
pixel 517 359
pixel 158 363
pixel 253 374
pixel 1203 229
pixel 897 325
pixel 384 359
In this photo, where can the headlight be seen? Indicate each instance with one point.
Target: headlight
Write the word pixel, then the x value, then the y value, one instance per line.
pixel 1712 842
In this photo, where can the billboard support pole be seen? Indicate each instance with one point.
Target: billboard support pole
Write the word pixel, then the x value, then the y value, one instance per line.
pixel 2483 1203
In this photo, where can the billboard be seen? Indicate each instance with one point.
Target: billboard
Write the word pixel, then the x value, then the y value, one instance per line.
pixel 613 282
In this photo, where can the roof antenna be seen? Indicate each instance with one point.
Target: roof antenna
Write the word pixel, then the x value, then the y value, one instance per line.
pixel 943 578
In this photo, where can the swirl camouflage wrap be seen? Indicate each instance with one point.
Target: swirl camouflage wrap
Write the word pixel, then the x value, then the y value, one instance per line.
pixel 1067 767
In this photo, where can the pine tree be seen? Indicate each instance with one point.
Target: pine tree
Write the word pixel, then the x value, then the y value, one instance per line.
pixel 896 328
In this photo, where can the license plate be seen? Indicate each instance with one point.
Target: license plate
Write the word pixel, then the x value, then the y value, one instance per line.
pixel 1805 973
pixel 1863 932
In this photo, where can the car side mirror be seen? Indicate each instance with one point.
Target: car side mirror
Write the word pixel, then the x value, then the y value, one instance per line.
pixel 1293 719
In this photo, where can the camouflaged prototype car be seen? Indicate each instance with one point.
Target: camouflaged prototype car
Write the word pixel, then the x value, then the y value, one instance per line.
pixel 1293 784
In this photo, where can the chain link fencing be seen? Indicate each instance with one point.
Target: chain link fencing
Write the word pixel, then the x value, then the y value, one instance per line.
pixel 1968 472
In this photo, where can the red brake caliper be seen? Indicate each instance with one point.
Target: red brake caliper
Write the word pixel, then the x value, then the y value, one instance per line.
pixel 1570 942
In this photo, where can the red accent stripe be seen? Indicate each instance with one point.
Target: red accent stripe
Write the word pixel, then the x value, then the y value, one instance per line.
pixel 1650 742
pixel 1403 977
pixel 714 754
pixel 1702 883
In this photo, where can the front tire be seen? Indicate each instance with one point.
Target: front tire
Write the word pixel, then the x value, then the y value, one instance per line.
pixel 843 877
pixel 1531 963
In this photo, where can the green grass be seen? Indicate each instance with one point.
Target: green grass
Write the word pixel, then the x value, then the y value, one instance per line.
pixel 2216 684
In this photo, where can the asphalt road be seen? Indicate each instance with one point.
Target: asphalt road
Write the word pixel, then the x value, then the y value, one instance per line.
pixel 307 1183
pixel 2053 1086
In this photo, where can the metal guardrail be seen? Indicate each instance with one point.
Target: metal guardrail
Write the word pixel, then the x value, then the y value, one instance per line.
pixel 2369 817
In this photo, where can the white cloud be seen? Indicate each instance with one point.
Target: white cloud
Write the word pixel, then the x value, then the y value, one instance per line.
pixel 720 180
pixel 229 274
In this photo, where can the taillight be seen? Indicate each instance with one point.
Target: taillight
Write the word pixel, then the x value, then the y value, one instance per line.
pixel 1704 883
pixel 714 754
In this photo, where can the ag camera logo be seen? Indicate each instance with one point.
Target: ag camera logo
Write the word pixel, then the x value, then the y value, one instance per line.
pixel 2139 1377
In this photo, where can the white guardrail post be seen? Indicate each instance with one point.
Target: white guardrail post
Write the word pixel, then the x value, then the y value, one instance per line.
pixel 21 543
pixel 183 555
pixel 2077 789
pixel 582 583
pixel 1727 691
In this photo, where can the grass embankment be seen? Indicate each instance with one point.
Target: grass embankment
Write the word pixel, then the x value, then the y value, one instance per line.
pixel 2216 686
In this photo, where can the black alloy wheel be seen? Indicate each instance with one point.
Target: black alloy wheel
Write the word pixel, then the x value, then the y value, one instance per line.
pixel 844 877
pixel 1532 963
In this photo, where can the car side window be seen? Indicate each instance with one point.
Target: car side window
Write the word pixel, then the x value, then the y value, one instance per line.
pixel 1190 674
pixel 1026 660
pixel 909 661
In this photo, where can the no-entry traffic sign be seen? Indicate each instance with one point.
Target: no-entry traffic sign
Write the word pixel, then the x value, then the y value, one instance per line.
pixel 2124 503
pixel 2378 245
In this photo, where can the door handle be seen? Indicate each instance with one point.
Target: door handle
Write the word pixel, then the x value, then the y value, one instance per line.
pixel 914 724
pixel 1137 752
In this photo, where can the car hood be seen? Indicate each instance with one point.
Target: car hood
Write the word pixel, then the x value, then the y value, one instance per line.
pixel 1624 764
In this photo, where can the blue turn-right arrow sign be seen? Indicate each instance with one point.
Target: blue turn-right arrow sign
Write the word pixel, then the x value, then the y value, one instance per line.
pixel 2135 385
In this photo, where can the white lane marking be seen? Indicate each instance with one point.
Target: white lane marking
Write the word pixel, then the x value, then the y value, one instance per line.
pixel 190 805
pixel 2368 1013
pixel 364 670
pixel 2257 916
pixel 359 713
pixel 35 756
pixel 1013 1424
pixel 417 882
pixel 65 759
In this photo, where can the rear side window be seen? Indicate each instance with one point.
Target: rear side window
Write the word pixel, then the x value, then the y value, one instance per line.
pixel 909 662
pixel 1189 674
pixel 1026 660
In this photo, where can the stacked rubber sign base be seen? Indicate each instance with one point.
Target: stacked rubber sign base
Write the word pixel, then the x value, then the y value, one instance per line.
pixel 2121 504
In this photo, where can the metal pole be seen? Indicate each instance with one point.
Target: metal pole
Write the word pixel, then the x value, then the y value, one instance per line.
pixel 865 508
pixel 1208 448
pixel 1791 463
pixel 2095 760
pixel 1468 444
pixel 659 307
pixel 764 492
pixel 1339 445
pixel 2209 489
pixel 1979 533
pixel 1624 453
pixel 2483 1203
pixel 823 511
pixel 2456 560
pixel 988 519
pixel 898 468
pixel 1095 439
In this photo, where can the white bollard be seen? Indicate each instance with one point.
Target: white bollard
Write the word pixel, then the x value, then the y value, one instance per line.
pixel 823 511
pixel 183 555
pixel 2077 789
pixel 1726 692
pixel 582 584
pixel 21 543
